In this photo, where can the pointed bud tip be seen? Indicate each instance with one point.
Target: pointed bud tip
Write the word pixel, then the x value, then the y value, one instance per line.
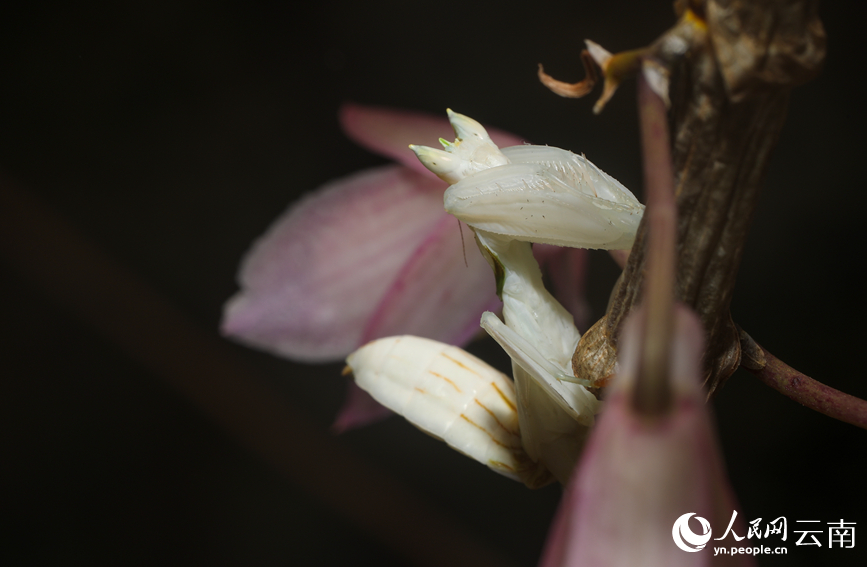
pixel 599 54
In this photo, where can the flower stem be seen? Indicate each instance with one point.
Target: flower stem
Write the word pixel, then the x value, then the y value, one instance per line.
pixel 811 393
pixel 652 395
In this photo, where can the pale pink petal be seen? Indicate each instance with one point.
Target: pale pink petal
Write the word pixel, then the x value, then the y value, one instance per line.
pixel 636 477
pixel 436 295
pixel 312 282
pixel 566 269
pixel 389 132
pixel 358 410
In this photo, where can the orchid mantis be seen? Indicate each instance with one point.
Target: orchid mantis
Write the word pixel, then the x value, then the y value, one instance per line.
pixel 532 430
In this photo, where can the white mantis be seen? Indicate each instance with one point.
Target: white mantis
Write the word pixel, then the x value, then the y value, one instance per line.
pixel 509 198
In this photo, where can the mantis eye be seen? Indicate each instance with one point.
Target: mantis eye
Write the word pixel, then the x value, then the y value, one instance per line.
pixel 466 128
pixel 471 152
pixel 445 165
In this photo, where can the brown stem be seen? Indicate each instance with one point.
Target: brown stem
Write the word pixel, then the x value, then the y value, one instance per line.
pixel 727 113
pixel 810 393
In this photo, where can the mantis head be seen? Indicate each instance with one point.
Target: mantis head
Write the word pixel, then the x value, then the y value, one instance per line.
pixel 472 151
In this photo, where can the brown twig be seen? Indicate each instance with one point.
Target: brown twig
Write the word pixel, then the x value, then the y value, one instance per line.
pixel 810 393
pixel 727 114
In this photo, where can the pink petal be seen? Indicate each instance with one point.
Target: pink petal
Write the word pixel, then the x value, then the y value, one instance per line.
pixel 436 295
pixel 312 282
pixel 636 477
pixel 358 410
pixel 566 268
pixel 389 132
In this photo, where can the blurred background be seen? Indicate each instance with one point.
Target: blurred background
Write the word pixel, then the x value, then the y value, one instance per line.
pixel 144 145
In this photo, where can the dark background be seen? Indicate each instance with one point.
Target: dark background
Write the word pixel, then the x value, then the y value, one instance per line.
pixel 170 134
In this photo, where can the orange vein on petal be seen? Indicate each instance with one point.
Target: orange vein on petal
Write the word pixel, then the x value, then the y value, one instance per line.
pixel 461 364
pixel 492 414
pixel 455 386
pixel 494 439
pixel 505 399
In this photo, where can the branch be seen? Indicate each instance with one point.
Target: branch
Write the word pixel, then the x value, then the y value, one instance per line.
pixel 727 113
pixel 810 393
